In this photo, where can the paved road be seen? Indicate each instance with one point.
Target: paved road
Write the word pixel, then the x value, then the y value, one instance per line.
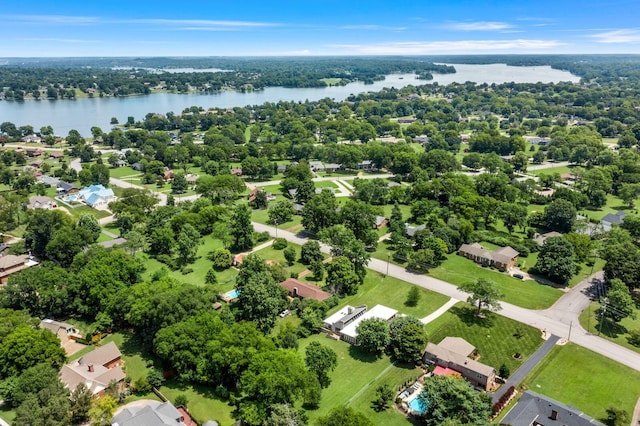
pixel 553 320
pixel 327 178
pixel 519 375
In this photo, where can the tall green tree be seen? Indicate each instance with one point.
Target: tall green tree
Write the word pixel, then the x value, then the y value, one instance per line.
pixel 241 228
pixel 557 260
pixel 344 416
pixel 450 399
pixel 26 347
pixel 482 293
pixel 408 338
pixel 373 335
pixel 320 360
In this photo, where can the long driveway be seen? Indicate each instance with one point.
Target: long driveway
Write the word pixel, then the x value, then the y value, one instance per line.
pixel 556 320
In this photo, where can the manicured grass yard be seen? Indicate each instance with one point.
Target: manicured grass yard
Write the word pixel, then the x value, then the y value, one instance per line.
pixel 202 403
pixel 495 337
pixel 354 372
pixel 393 292
pixel 527 294
pixel 616 332
pixel 586 380
pixel 270 253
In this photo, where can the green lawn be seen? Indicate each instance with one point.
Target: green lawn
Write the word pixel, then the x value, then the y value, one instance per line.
pixel 393 292
pixel 613 205
pixel 355 379
pixel 551 170
pixel 202 403
pixel 586 380
pixel 616 332
pixel 495 337
pixel 527 294
pixel 269 253
pixel 200 267
pixel 120 172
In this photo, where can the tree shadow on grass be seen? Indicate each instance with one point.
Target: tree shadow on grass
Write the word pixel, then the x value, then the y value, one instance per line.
pixel 362 356
pixel 612 329
pixel 467 315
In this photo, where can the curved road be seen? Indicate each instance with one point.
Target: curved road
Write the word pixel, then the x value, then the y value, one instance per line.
pixel 558 319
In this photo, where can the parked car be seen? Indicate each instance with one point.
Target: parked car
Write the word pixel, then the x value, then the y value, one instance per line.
pixel 518 276
pixel 284 313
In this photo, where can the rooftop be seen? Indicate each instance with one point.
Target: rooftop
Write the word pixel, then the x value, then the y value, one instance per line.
pixel 540 410
pixel 378 312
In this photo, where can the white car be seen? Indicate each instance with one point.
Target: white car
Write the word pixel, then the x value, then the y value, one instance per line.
pixel 284 313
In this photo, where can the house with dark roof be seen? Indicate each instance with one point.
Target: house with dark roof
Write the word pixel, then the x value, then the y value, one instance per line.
pixel 612 219
pixel 153 413
pixel 503 258
pixel 304 290
pixel 454 353
pixel 96 370
pixel 66 187
pixel 539 410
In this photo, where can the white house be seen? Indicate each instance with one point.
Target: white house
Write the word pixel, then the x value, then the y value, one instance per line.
pixel 350 333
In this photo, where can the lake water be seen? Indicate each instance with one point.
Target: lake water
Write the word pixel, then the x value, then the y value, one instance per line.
pixel 82 114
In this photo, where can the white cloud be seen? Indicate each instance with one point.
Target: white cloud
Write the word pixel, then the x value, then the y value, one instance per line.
pixel 618 36
pixel 51 19
pixel 199 23
pixel 477 26
pixel 373 28
pixel 444 47
pixel 58 40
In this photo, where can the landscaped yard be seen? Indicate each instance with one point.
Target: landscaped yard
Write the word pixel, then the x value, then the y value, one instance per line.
pixel 616 332
pixel 202 403
pixel 355 380
pixel 527 294
pixel 586 380
pixel 496 338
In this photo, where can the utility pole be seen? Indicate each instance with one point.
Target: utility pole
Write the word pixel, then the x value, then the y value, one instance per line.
pixel 569 337
pixel 388 258
pixel 604 311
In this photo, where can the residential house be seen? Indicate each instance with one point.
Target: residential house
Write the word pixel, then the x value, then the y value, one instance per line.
pixel 332 167
pixel 236 171
pixel 254 194
pixel 539 238
pixel 380 222
pixel 152 413
pixel 37 163
pixel 66 187
pixel 64 331
pixel 96 370
pixel 411 230
pixel 316 166
pixel 31 138
pixel 453 353
pixel 539 410
pixel 350 334
pixel 407 120
pixel 304 290
pixel 10 264
pixel 366 165
pixel 503 258
pixel 168 174
pixel 191 178
pixel 33 152
pixel 120 163
pixel 55 155
pixel 97 196
pixel 41 202
pixel 612 219
pixel 138 167
pixel 282 168
pixel 344 317
pixel 48 180
pixel 422 139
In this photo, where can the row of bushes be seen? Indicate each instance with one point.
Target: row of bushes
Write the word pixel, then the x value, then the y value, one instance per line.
pixel 524 247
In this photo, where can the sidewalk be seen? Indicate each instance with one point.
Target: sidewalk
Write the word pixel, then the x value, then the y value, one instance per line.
pixel 441 310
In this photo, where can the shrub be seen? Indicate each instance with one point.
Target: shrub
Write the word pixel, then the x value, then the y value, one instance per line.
pixel 290 255
pixel 634 337
pixel 186 270
pixel 293 275
pixel 154 378
pixel 142 385
pixel 504 371
pixel 261 237
pixel 167 260
pixel 221 258
pixel 279 243
pixel 181 400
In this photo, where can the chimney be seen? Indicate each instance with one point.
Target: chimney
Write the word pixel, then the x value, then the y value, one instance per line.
pixel 90 367
pixel 554 415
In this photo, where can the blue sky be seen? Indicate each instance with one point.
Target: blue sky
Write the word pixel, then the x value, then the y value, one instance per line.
pixel 330 27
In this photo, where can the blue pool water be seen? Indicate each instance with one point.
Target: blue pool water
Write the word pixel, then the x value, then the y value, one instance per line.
pixel 233 294
pixel 415 404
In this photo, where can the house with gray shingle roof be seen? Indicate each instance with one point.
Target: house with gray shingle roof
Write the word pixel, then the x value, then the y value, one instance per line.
pixel 153 413
pixel 536 409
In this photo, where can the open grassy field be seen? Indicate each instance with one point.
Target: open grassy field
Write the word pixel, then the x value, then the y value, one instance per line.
pixel 528 294
pixel 586 380
pixel 495 337
pixel 392 292
pixel 616 332
pixel 355 379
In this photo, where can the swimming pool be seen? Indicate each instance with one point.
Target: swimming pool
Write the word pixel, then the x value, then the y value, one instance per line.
pixel 233 294
pixel 416 405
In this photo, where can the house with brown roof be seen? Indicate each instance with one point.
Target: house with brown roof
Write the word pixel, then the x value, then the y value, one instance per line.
pixel 10 264
pixel 454 353
pixel 96 370
pixel 503 258
pixel 304 290
pixel 56 155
